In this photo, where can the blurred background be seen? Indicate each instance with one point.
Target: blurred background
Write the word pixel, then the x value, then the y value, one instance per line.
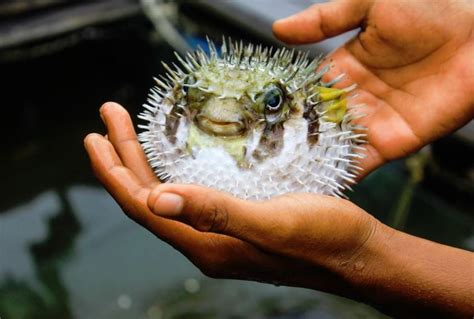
pixel 67 251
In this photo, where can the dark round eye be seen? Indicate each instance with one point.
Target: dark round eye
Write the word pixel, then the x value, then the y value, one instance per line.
pixel 273 99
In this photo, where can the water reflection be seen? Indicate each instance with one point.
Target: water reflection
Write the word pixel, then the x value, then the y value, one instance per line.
pixel 41 292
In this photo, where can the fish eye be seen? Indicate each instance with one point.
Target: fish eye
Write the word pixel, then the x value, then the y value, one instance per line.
pixel 273 99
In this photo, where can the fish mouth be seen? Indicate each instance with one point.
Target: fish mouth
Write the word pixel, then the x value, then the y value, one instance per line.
pixel 220 128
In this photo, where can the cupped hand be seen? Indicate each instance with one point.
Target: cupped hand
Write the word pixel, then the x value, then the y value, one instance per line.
pixel 413 62
pixel 297 239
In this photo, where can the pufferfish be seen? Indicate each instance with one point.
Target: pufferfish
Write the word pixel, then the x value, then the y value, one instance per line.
pixel 252 121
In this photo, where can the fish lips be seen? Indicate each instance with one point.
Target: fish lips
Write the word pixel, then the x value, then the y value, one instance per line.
pixel 220 128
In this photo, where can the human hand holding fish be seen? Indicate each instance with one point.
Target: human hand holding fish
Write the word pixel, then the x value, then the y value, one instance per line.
pixel 415 75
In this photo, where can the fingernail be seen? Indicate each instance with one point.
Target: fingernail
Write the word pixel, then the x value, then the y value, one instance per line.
pixel 168 205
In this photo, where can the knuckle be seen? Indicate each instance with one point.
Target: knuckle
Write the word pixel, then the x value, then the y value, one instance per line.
pixel 211 216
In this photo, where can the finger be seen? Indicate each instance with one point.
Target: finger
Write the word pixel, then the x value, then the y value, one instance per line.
pixel 131 194
pixel 209 210
pixel 367 103
pixel 321 21
pixel 119 181
pixel 124 139
pixel 278 226
pixel 370 162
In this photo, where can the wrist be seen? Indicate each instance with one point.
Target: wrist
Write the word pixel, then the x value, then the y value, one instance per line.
pixel 359 264
pixel 405 275
pixel 374 271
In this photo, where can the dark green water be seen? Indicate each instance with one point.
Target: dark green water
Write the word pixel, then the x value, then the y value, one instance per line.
pixel 67 251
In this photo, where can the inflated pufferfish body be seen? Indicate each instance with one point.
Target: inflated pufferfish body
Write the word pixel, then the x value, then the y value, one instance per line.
pixel 252 122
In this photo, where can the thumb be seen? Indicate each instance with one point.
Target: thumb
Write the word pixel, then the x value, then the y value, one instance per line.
pixel 321 21
pixel 266 224
pixel 276 225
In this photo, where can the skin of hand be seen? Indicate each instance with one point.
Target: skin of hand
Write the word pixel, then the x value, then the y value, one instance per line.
pixel 412 62
pixel 303 240
pixel 414 74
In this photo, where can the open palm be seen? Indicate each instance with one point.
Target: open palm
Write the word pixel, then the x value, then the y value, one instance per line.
pixel 413 63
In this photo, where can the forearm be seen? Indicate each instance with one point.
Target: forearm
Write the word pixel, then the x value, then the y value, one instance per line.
pixel 408 276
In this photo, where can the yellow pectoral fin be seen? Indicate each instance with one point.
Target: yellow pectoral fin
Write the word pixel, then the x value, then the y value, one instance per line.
pixel 336 111
pixel 327 94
